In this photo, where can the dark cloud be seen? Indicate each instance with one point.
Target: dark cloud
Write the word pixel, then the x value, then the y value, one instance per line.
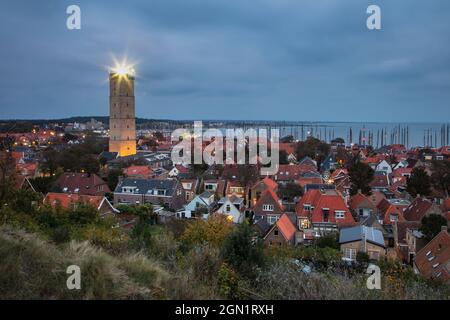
pixel 229 59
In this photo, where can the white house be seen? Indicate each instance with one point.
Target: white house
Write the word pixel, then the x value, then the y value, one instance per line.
pixel 384 166
pixel 206 200
pixel 401 164
pixel 231 207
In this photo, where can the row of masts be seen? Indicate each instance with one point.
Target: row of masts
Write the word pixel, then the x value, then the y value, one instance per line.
pixel 377 138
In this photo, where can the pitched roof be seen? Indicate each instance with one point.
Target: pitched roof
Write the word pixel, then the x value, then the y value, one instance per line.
pixel 81 183
pixel 417 209
pixel 146 186
pixel 270 183
pixel 138 171
pixel 358 200
pixel 403 226
pixel 65 200
pixel 320 201
pixel 433 260
pixel 268 196
pixel 359 233
pixel 286 227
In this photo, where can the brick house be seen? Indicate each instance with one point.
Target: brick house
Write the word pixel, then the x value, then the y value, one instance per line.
pixel 167 192
pixel 282 232
pixel 268 207
pixel 82 183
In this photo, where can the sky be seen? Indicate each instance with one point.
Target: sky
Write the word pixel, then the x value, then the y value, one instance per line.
pixel 296 60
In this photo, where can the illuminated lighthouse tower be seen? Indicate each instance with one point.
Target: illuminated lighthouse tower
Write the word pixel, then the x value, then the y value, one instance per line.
pixel 122 119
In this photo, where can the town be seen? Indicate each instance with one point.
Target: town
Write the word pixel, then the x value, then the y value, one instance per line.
pixel 328 208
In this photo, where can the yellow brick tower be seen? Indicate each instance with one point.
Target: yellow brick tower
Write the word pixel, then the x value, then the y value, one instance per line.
pixel 122 119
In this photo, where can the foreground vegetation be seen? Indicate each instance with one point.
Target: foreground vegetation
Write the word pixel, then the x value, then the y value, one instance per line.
pixel 194 260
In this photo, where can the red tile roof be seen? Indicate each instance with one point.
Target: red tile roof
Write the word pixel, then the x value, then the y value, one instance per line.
pixel 357 200
pixel 393 210
pixel 286 227
pixel 65 200
pixel 320 201
pixel 417 209
pixel 134 171
pixel 433 260
pixel 269 197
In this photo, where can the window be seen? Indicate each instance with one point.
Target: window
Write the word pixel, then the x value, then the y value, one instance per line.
pixel 228 208
pixel 340 214
pixel 393 217
pixel 349 253
pixel 267 207
pixel 275 232
pixel 272 219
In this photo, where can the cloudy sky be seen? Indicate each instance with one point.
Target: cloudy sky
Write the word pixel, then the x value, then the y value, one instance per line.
pixel 229 59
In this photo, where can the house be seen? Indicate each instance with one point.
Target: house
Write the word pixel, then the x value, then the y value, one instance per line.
pixel 66 201
pixel 289 148
pixel 261 227
pixel 268 207
pixel 373 222
pixel 291 172
pixel 361 205
pixel 82 183
pixel 433 260
pixel 384 166
pixel 400 174
pixel 380 180
pixel 167 192
pixel 138 172
pixel 307 161
pixel 391 210
pixel 282 232
pixel 323 210
pixel 232 207
pixel 309 177
pixel 361 239
pixel 420 208
pixel 203 203
pixel 217 186
pixel 408 240
pixel 179 171
pixel 260 187
pixel 445 207
pixel 190 188
pixel 237 189
pixel 329 164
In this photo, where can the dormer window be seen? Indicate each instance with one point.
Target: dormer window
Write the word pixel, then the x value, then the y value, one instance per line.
pixel 340 214
pixel 267 207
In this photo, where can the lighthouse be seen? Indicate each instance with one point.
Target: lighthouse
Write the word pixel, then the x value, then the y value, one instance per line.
pixel 122 117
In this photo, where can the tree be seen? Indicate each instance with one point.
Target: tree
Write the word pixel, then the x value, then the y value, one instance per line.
pixel 113 178
pixel 247 174
pixel 313 148
pixel 141 234
pixel 290 191
pixel 419 183
pixel 8 177
pixel 440 177
pixel 212 231
pixel 360 176
pixel 431 225
pixel 243 251
pixel 283 158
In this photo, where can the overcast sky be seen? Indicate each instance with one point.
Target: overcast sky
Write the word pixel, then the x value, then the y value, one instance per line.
pixel 230 59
